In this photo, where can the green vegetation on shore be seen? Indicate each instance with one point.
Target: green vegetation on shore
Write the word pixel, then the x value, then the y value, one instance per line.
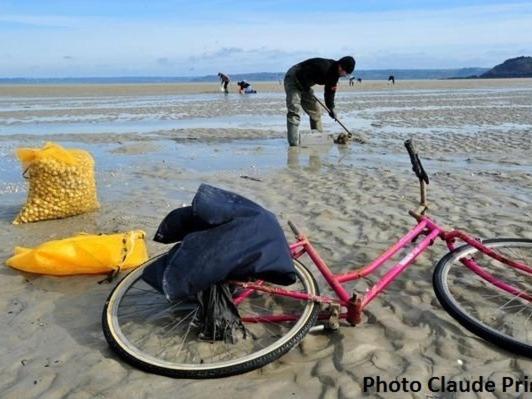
pixel 520 67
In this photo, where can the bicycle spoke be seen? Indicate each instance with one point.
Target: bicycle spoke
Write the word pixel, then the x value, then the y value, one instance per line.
pixel 173 328
pixel 525 322
pixel 186 335
pixel 151 290
pixel 155 330
pixel 498 309
pixel 166 310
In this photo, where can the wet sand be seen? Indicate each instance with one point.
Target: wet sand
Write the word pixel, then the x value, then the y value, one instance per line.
pixel 474 137
pixel 213 87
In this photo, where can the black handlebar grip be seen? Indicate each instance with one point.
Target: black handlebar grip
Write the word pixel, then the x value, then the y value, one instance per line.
pixel 413 155
pixel 410 148
pixel 416 162
pixel 293 228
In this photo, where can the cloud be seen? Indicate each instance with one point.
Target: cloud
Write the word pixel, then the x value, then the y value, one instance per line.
pixel 243 56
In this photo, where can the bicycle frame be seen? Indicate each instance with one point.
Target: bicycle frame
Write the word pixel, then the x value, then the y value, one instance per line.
pixel 355 303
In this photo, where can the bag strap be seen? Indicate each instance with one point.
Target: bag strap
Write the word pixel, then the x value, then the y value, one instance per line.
pixel 128 245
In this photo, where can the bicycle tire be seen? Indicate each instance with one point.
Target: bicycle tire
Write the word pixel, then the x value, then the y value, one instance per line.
pixel 460 304
pixel 132 355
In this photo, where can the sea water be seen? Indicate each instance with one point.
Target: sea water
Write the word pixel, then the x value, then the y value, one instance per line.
pixel 121 130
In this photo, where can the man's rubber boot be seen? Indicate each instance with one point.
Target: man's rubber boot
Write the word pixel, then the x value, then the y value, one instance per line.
pixel 316 125
pixel 292 135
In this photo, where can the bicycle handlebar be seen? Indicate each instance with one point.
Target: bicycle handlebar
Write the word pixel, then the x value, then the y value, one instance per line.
pixel 294 229
pixel 423 179
pixel 416 162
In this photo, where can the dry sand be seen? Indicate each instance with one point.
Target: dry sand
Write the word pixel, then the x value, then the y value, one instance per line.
pixel 352 201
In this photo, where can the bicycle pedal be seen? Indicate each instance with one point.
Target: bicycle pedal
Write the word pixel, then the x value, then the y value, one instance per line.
pixel 333 323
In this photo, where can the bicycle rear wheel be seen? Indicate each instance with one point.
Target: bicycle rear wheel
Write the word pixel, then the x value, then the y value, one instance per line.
pixel 161 337
pixel 493 313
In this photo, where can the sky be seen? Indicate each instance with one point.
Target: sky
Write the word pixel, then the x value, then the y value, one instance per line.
pixel 98 38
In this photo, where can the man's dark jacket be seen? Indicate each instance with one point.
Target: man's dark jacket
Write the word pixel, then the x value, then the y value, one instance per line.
pixel 222 236
pixel 320 71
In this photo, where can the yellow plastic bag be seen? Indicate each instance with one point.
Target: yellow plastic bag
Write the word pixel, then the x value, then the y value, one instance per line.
pixel 83 254
pixel 61 183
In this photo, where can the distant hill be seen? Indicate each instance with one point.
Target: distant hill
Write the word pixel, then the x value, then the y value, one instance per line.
pixel 379 74
pixel 97 80
pixel 520 67
pixel 368 74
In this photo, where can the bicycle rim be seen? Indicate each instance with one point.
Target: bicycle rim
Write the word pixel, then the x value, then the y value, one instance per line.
pixel 161 337
pixel 501 317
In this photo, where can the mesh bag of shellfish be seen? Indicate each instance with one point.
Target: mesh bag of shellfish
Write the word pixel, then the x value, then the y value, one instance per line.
pixel 61 183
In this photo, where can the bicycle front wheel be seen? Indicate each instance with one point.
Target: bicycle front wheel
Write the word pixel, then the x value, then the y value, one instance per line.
pixel 163 337
pixel 498 314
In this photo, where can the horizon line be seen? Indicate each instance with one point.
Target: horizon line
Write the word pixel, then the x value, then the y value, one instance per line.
pixel 234 74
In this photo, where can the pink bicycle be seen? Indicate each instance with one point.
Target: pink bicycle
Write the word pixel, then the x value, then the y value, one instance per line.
pixel 484 285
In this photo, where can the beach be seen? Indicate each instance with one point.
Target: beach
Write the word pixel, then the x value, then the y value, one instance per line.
pixel 154 144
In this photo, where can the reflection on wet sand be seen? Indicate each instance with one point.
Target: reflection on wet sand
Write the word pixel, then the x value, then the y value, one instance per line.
pixel 352 201
pixel 308 157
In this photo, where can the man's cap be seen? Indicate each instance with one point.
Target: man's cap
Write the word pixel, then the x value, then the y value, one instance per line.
pixel 347 64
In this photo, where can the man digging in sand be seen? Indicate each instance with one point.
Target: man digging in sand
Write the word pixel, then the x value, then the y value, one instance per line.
pixel 298 83
pixel 224 80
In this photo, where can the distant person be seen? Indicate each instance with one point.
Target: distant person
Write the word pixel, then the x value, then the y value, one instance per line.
pixel 391 78
pixel 224 82
pixel 245 88
pixel 298 83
